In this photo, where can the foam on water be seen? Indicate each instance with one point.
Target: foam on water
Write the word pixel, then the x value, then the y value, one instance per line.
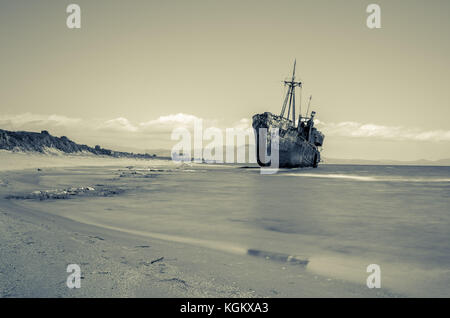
pixel 365 178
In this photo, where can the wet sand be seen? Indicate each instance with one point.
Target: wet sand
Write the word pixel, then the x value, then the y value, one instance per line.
pixel 38 242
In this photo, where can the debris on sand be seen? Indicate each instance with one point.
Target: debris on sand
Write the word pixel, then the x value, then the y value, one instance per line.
pixel 135 174
pixel 176 280
pixel 67 193
pixel 157 260
pixel 97 237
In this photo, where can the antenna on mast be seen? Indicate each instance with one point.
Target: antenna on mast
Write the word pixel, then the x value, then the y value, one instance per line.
pixel 293 72
pixel 309 103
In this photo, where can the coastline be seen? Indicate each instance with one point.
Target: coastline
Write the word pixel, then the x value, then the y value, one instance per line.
pixel 37 246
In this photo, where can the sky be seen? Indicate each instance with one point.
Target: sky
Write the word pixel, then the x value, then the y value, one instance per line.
pixel 136 70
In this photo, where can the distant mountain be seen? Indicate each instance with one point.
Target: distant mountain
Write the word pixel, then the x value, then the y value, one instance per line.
pixel 44 142
pixel 442 162
pixel 422 162
pixel 326 160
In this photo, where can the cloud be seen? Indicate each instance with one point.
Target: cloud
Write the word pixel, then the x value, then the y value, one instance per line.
pixel 179 118
pixel 122 130
pixel 359 130
pixel 118 131
pixel 119 124
pixel 165 124
pixel 243 124
pixel 34 121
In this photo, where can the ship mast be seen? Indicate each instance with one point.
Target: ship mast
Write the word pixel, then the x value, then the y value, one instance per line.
pixel 290 96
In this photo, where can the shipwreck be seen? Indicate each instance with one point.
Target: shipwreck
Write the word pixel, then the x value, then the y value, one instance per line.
pixel 299 142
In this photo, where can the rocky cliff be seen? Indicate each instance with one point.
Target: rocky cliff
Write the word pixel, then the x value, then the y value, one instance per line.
pixel 43 142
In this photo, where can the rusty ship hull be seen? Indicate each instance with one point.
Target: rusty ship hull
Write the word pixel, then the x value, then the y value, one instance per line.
pixel 294 148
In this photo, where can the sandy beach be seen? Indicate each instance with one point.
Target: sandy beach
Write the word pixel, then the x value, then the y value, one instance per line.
pixel 41 235
pixel 224 149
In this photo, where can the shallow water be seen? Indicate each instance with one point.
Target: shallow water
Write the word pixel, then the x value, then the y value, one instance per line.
pixel 340 217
